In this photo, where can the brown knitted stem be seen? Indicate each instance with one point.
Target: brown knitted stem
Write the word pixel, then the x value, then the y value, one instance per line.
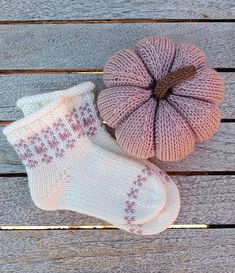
pixel 163 85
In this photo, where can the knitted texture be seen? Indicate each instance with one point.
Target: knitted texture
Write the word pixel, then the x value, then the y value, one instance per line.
pixel 170 211
pixel 161 98
pixel 67 171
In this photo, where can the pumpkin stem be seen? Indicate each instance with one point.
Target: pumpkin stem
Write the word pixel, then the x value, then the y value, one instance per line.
pixel 163 86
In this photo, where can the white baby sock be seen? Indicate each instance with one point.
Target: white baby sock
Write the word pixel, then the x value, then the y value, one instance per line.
pixel 170 212
pixel 66 170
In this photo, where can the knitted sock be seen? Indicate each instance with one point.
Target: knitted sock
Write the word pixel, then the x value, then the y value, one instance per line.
pixel 170 212
pixel 67 170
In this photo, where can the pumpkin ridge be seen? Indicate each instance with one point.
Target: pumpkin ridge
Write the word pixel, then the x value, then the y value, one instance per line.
pixel 135 109
pixel 146 67
pixel 194 129
pixel 182 115
pixel 177 149
pixel 172 62
pixel 150 45
pixel 154 124
pixel 127 138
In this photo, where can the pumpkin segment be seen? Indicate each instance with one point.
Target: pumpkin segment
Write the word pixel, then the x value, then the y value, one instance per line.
pixel 174 138
pixel 157 53
pixel 207 85
pixel 136 133
pixel 203 117
pixel 122 103
pixel 186 55
pixel 126 68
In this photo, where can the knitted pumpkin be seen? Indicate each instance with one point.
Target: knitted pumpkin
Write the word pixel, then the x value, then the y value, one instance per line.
pixel 161 98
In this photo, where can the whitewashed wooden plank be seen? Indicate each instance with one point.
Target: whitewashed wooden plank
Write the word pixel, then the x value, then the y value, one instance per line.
pixel 90 45
pixel 13 87
pixel 216 154
pixel 63 10
pixel 95 251
pixel 204 200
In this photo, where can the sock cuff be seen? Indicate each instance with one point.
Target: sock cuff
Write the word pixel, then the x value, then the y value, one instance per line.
pixel 31 104
pixel 49 133
pixel 82 95
pixel 34 123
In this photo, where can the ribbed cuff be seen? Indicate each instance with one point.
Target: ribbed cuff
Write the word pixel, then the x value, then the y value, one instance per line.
pixel 34 123
pixel 31 104
pixel 74 106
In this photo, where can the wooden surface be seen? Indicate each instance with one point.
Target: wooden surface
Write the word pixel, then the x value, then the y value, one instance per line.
pixel 15 86
pixel 85 45
pixel 114 251
pixel 114 9
pixel 216 154
pixel 71 44
pixel 204 199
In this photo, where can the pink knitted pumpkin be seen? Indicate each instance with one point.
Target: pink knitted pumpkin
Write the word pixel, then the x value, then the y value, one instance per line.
pixel 161 98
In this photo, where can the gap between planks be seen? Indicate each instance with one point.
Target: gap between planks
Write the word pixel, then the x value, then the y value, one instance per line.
pixel 92 71
pixel 117 21
pixel 95 71
pixel 172 173
pixel 89 227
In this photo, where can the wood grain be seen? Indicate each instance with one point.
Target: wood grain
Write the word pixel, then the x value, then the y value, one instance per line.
pixel 62 10
pixel 90 45
pixel 178 251
pixel 204 200
pixel 216 154
pixel 13 87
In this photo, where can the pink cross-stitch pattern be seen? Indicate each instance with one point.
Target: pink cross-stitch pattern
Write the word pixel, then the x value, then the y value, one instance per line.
pixel 132 197
pixel 53 141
